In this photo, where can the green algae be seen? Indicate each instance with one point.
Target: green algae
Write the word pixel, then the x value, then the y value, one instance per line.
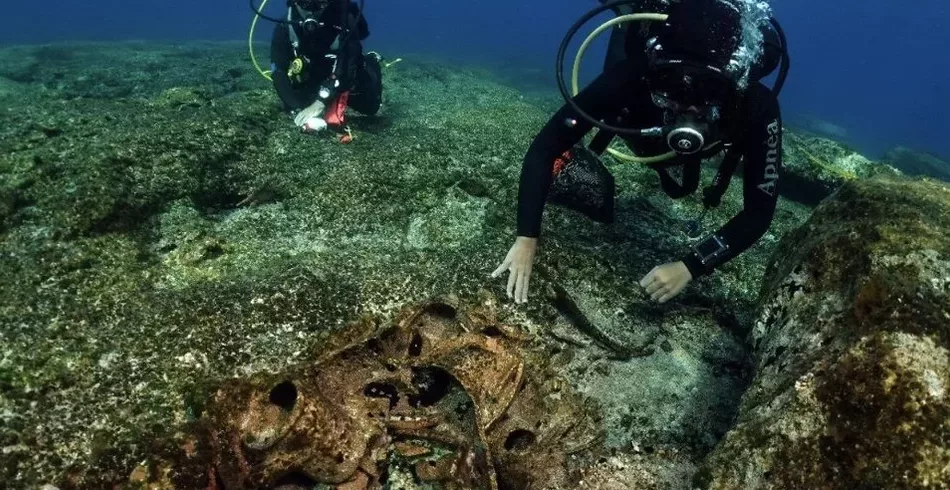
pixel 134 277
pixel 851 349
pixel 816 167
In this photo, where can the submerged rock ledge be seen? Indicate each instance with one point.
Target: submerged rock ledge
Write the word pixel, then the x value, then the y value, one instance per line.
pixel 851 350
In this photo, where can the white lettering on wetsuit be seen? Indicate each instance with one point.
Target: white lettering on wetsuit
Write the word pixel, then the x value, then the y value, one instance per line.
pixel 771 160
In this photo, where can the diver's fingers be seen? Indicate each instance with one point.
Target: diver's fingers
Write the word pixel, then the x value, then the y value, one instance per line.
pixel 519 288
pixel 659 294
pixel 647 279
pixel 655 286
pixel 512 276
pixel 527 282
pixel 505 264
pixel 666 297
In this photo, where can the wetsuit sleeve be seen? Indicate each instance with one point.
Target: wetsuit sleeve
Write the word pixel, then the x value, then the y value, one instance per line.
pixel 762 158
pixel 281 54
pixel 602 99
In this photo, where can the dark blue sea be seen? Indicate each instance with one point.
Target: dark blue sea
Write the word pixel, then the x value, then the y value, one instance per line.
pixel 870 72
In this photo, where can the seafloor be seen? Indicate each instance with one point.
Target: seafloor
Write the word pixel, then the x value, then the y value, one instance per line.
pixel 163 226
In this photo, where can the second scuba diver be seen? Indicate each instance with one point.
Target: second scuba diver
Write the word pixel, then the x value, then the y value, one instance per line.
pixel 680 77
pixel 318 66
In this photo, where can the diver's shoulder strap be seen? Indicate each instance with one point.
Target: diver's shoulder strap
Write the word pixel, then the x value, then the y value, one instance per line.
pixel 292 31
pixel 601 141
pixel 712 195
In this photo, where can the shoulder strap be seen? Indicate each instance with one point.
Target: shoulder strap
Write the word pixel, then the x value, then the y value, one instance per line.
pixel 712 194
pixel 292 30
pixel 601 141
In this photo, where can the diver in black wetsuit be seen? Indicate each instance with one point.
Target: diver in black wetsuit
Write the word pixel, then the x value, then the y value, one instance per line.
pixel 679 75
pixel 318 66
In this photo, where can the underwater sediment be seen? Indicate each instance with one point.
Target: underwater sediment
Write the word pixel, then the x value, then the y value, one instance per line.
pixel 167 236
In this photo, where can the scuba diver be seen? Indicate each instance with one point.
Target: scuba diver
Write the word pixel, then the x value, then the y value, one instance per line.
pixel 680 74
pixel 318 66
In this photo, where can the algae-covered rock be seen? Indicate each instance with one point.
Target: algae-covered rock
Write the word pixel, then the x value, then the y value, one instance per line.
pixel 683 396
pixel 73 71
pixel 10 89
pixel 458 220
pixel 816 166
pixel 660 470
pixel 851 350
pixel 166 226
pixel 107 166
pixel 913 162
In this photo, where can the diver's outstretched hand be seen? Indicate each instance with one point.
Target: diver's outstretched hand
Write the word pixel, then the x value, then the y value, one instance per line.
pixel 518 263
pixel 664 282
pixel 313 110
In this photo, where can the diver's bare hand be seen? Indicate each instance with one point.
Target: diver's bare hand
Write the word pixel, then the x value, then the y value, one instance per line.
pixel 313 110
pixel 664 282
pixel 518 263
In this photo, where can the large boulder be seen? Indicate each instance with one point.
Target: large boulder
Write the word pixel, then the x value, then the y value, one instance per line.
pixel 851 350
pixel 816 166
pixel 913 162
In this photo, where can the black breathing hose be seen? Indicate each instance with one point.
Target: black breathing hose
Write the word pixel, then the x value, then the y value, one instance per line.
pixel 786 62
pixel 562 85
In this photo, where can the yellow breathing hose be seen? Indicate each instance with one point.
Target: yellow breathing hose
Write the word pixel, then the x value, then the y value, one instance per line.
pixel 250 43
pixel 576 74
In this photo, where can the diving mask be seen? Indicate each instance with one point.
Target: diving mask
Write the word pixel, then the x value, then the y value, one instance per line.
pixel 312 5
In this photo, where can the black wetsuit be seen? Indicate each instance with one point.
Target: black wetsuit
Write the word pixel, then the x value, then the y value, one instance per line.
pixel 357 74
pixel 756 138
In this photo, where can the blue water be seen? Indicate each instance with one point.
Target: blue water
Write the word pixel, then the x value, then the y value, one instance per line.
pixel 876 68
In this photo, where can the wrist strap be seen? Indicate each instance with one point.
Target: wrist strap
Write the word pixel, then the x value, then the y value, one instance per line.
pixel 707 254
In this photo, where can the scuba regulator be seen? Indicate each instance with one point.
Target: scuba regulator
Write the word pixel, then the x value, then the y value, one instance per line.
pixel 309 11
pixel 692 99
pixel 686 129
